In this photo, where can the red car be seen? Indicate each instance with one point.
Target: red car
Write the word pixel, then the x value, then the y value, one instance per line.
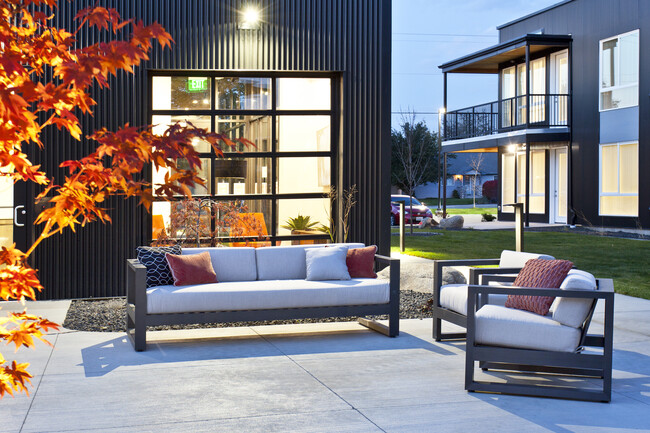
pixel 420 211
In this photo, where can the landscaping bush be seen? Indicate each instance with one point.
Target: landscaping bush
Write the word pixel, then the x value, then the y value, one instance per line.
pixel 455 194
pixel 487 217
pixel 490 190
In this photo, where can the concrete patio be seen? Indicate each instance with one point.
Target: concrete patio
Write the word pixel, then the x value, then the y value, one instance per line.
pixel 336 377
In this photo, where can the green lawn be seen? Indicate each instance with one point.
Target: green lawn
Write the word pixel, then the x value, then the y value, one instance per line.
pixel 454 201
pixel 472 210
pixel 624 260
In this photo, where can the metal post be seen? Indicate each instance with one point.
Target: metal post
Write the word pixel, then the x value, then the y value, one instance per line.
pixel 441 112
pixel 401 227
pixel 527 179
pixel 444 190
pixel 519 225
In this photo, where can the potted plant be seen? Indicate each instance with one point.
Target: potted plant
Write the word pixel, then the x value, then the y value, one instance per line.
pixel 302 225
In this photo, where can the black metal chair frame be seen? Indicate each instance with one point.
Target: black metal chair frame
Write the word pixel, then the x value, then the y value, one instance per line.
pixel 137 318
pixel 598 365
pixel 441 313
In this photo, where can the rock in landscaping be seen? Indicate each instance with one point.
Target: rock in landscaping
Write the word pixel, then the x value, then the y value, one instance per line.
pixel 452 223
pixel 428 222
pixel 417 277
pixel 452 276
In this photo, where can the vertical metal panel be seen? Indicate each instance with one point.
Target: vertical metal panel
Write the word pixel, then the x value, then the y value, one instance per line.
pixel 588 22
pixel 347 36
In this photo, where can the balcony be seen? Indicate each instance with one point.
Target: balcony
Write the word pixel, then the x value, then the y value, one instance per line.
pixel 545 111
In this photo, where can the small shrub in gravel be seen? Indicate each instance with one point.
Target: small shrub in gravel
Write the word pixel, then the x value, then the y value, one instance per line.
pixel 109 315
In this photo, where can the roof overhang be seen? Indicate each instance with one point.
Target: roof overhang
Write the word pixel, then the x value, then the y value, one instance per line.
pixel 490 143
pixel 487 61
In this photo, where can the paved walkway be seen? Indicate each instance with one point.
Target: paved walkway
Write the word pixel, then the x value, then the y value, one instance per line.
pixel 335 377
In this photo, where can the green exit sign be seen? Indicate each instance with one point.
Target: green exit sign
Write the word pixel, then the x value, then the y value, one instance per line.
pixel 195 84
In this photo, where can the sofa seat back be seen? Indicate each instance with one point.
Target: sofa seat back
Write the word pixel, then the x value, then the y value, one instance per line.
pixel 287 262
pixel 263 295
pixel 231 263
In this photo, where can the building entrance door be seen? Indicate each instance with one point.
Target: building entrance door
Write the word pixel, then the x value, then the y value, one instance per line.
pixel 558 201
pixel 13 221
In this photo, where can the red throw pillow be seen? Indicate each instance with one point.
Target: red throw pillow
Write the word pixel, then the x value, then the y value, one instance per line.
pixel 361 262
pixel 191 269
pixel 542 274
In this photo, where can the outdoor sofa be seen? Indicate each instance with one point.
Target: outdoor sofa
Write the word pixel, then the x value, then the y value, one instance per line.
pixel 258 284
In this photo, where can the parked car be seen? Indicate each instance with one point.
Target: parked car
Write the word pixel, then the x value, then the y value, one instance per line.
pixel 420 211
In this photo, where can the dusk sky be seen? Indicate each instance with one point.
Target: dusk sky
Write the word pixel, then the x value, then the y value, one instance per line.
pixel 428 33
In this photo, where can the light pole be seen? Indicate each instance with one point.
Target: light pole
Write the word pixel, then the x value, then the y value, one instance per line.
pixel 441 112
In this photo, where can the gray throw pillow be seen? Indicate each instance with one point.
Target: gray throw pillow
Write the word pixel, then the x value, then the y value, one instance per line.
pixel 327 264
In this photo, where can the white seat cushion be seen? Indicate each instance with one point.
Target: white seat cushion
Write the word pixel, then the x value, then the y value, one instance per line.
pixel 454 297
pixel 257 295
pixel 230 264
pixel 509 327
pixel 574 311
pixel 517 259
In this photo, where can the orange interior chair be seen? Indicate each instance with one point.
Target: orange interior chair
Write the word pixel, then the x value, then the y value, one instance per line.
pixel 243 227
pixel 157 226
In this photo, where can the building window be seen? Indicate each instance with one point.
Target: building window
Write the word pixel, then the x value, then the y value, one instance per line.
pixel 619 71
pixel 513 183
pixel 619 179
pixel 251 191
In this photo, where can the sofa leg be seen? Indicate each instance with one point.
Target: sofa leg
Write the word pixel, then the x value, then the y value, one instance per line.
pixel 437 329
pixel 136 330
pixel 393 325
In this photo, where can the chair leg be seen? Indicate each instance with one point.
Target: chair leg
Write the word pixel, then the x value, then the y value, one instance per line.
pixel 437 329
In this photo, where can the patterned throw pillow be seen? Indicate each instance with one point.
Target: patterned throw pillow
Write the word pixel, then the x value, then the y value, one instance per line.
pixel 191 269
pixel 539 273
pixel 361 262
pixel 153 258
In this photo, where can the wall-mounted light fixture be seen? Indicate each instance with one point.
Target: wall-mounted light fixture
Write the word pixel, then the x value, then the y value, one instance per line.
pixel 250 19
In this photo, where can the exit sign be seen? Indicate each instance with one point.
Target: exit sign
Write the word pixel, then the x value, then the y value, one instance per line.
pixel 195 84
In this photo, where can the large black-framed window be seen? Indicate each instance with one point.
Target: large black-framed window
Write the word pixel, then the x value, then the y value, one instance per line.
pixel 252 192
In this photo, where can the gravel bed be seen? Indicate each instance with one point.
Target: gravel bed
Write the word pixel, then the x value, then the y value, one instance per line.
pixel 109 315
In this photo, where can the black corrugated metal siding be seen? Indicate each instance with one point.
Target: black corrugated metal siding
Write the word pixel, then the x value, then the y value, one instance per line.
pixel 350 36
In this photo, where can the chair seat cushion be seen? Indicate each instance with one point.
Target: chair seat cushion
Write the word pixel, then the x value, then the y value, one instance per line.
pixel 259 295
pixel 454 297
pixel 508 327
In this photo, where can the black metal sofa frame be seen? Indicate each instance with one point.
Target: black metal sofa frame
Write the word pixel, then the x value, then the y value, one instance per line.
pixel 137 318
pixel 597 364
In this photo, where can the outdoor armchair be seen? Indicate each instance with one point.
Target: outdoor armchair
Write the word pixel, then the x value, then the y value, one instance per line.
pixel 450 301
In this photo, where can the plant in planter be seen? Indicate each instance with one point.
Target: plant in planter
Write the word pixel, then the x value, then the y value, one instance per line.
pixel 300 223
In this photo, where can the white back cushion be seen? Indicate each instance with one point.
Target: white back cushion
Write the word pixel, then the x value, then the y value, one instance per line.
pixel 281 263
pixel 230 264
pixel 517 259
pixel 573 311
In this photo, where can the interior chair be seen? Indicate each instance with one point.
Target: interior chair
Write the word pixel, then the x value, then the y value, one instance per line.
pixel 504 339
pixel 450 300
pixel 250 225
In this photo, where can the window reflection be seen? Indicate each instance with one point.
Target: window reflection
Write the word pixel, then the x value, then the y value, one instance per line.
pixel 240 93
pixel 181 93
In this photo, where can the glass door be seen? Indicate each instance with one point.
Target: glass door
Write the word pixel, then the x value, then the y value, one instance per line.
pixel 13 226
pixel 559 179
pixel 560 88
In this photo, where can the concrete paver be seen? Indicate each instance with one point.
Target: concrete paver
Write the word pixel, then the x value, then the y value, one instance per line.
pixel 305 378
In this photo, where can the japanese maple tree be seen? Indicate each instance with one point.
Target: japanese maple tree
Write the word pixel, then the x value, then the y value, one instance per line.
pixel 32 49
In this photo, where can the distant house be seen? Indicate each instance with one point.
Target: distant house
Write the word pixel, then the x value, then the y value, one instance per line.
pixel 570 126
pixel 460 176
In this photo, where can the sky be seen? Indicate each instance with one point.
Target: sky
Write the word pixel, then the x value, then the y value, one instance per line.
pixel 428 33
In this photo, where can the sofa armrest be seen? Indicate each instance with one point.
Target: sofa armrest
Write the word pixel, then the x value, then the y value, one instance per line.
pixel 136 284
pixel 475 273
pixel 394 274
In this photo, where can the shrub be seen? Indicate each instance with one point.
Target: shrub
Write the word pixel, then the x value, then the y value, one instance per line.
pixel 490 190
pixel 455 194
pixel 487 217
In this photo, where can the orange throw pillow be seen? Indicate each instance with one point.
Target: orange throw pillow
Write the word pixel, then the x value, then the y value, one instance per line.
pixel 191 269
pixel 361 262
pixel 539 273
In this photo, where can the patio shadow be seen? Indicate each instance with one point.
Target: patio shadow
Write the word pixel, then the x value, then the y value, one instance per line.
pixel 102 358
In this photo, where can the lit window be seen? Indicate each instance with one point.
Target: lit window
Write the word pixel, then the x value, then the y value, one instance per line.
pixel 619 71
pixel 619 179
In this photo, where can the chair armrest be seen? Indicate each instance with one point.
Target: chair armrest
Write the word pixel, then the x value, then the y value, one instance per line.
pixel 475 273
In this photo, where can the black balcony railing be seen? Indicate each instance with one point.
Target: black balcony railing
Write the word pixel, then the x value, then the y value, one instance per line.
pixel 547 110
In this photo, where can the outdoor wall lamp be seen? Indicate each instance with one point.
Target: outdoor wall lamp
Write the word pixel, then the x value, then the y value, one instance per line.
pixel 250 19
